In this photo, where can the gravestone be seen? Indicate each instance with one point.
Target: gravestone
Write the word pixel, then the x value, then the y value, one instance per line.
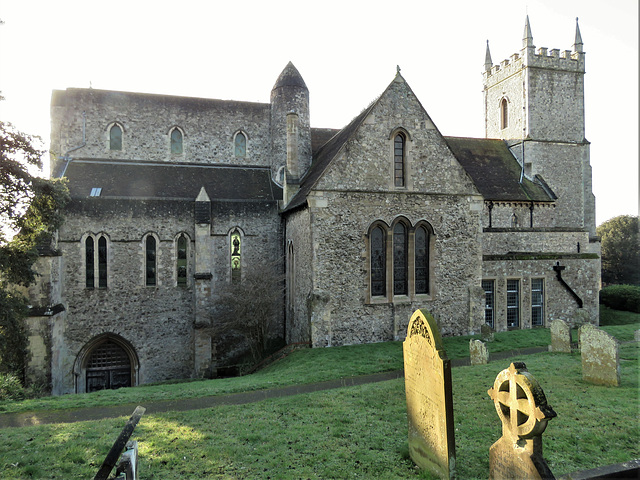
pixel 478 353
pixel 524 412
pixel 427 374
pixel 560 336
pixel 486 332
pixel 636 335
pixel 600 356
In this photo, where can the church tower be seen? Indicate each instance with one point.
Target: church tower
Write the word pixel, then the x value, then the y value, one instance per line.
pixel 535 101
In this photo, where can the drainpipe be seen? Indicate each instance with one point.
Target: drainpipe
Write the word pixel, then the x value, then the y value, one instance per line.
pixel 83 144
pixel 558 269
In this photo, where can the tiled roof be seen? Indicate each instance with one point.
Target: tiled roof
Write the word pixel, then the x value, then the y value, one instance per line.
pixel 496 172
pixel 131 180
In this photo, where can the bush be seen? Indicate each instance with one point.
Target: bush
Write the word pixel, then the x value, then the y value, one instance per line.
pixel 10 387
pixel 621 297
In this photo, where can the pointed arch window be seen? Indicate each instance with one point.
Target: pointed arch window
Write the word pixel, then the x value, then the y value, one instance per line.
pixel 102 262
pixel 176 141
pixel 240 145
pixel 95 261
pixel 89 253
pixel 504 113
pixel 421 260
pixel 399 144
pixel 150 261
pixel 115 137
pixel 378 262
pixel 181 261
pixel 236 260
pixel 400 260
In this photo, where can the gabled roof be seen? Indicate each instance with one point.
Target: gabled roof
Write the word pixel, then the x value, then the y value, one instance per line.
pixel 147 180
pixel 496 172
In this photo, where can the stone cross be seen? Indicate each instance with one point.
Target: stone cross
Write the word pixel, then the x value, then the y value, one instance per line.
pixel 524 412
pixel 428 389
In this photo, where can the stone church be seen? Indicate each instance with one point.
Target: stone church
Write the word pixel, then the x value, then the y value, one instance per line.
pixel 173 197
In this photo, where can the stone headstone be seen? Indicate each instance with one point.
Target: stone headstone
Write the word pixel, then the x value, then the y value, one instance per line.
pixel 427 373
pixel 600 356
pixel 560 337
pixel 486 332
pixel 636 335
pixel 478 353
pixel 524 412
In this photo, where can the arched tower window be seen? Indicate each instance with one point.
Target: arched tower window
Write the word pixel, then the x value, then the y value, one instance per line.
pixel 504 113
pixel 421 260
pixel 102 262
pixel 176 141
pixel 89 252
pixel 400 260
pixel 115 137
pixel 150 261
pixel 240 145
pixel 378 262
pixel 181 261
pixel 398 160
pixel 236 260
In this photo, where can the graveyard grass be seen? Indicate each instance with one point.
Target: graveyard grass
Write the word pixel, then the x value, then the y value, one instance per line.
pixel 348 432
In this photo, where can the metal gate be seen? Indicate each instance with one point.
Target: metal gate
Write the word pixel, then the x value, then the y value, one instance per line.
pixel 109 367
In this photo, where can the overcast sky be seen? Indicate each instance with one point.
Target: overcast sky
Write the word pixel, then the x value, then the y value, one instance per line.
pixel 346 51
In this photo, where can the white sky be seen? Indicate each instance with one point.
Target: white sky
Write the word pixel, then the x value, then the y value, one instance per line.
pixel 346 50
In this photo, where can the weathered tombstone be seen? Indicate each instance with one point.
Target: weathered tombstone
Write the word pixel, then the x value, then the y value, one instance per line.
pixel 636 335
pixel 600 356
pixel 427 374
pixel 524 412
pixel 486 332
pixel 478 353
pixel 560 337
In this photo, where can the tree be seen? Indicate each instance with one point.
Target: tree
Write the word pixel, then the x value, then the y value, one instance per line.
pixel 30 212
pixel 620 247
pixel 247 313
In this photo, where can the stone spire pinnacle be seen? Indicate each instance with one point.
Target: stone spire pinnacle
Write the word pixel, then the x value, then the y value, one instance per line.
pixel 577 45
pixel 527 39
pixel 488 63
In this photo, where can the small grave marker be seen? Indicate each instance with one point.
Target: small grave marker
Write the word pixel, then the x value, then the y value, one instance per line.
pixel 524 412
pixel 486 332
pixel 427 373
pixel 560 336
pixel 600 354
pixel 478 353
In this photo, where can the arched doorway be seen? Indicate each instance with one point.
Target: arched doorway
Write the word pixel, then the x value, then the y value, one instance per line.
pixel 106 362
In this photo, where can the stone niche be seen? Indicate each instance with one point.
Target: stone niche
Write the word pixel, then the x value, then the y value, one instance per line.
pixel 427 373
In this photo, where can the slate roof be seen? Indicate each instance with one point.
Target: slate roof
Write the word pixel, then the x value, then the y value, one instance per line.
pixel 496 172
pixel 147 180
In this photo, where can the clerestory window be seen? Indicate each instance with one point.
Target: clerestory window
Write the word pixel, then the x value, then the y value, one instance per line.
pixel 240 145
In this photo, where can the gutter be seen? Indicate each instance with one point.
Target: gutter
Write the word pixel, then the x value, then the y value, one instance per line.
pixel 558 269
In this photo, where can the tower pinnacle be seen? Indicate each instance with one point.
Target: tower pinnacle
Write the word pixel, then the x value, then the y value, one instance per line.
pixel 488 63
pixel 577 45
pixel 527 39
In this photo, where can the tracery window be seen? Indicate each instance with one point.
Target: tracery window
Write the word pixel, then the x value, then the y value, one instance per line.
pixel 181 261
pixel 95 261
pixel 398 160
pixel 150 261
pixel 236 260
pixel 240 145
pixel 115 137
pixel 400 260
pixel 176 141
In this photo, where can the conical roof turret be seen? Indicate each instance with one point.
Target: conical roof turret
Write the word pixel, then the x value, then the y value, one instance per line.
pixel 290 77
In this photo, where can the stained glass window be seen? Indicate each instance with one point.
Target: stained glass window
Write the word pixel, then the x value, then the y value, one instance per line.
pixel 400 277
pixel 181 264
pixel 378 263
pixel 150 261
pixel 90 262
pixel 176 141
pixel 422 260
pixel 115 138
pixel 102 262
pixel 398 160
pixel 236 263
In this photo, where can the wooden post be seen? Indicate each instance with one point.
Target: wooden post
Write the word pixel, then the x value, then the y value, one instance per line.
pixel 119 444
